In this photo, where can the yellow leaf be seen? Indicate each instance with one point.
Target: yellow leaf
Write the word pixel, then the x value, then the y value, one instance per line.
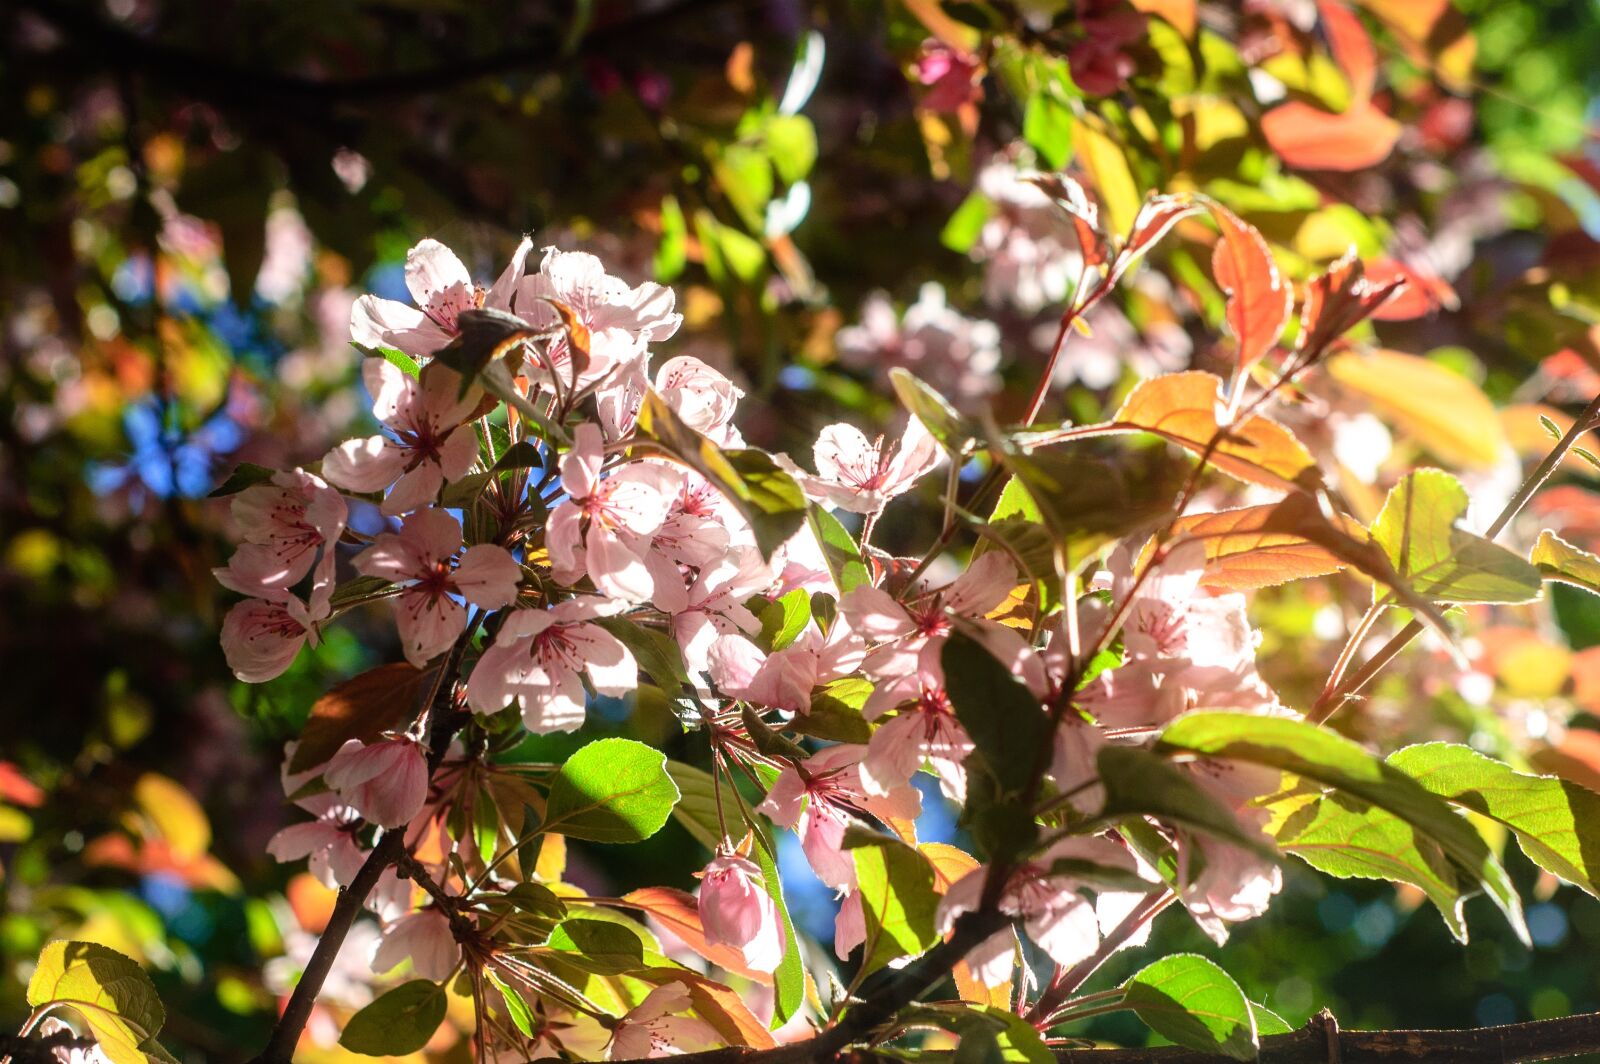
pixel 1443 411
pixel 170 813
pixel 1108 167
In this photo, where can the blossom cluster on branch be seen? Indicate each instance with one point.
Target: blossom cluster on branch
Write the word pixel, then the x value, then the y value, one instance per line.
pixel 553 520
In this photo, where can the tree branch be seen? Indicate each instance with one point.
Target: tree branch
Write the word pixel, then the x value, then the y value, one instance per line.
pixel 1337 693
pixel 1318 1042
pixel 205 75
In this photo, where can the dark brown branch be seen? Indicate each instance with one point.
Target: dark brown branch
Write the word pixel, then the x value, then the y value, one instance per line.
pixel 209 77
pixel 1559 1039
pixel 1318 1042
pixel 286 1035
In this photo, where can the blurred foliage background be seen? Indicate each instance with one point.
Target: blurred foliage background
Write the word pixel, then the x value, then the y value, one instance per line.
pixel 192 194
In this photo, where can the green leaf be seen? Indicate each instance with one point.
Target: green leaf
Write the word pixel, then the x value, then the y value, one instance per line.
pixel 1268 1022
pixel 961 231
pixel 783 619
pixel 602 947
pixel 244 475
pixel 792 146
pixel 1417 531
pixel 839 550
pixel 932 409
pixel 697 809
pixel 1350 838
pixel 672 254
pixel 768 497
pixel 524 454
pixel 613 790
pixel 656 652
pixel 1002 716
pixel 1319 754
pixel 519 1011
pixel 1557 823
pixel 1047 127
pixel 897 899
pixel 1559 560
pixel 1138 784
pixel 789 981
pixel 991 1035
pixel 399 1022
pixel 111 992
pixel 835 712
pixel 1193 1002
pixel 356 588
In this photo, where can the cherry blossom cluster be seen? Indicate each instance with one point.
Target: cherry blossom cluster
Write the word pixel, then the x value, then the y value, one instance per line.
pixel 507 599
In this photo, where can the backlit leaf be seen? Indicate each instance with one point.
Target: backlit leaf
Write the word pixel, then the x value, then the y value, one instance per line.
pixel 1259 296
pixel 612 790
pixel 898 900
pixel 113 995
pixel 1439 409
pixel 1190 1000
pixel 1417 531
pixel 1309 138
pixel 1316 753
pixel 1559 560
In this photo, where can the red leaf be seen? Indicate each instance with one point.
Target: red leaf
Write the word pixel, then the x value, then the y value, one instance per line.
pixel 1351 46
pixel 1420 292
pixel 1155 219
pixel 362 708
pixel 1339 299
pixel 1259 297
pixel 1310 139
pixel 1082 211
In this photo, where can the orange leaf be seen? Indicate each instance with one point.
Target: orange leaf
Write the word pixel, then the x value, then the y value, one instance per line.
pixel 950 864
pixel 578 340
pixel 679 913
pixel 1259 297
pixel 1155 219
pixel 1256 546
pixel 717 1005
pixel 1351 46
pixel 1182 409
pixel 363 707
pixel 1312 139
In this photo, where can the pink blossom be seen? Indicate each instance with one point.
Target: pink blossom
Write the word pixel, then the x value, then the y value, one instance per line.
pixel 429 447
pixel 861 475
pixel 1028 247
pixel 818 799
pixel 386 782
pixel 262 637
pixel 714 606
pixel 659 1027
pixel 423 937
pixel 423 557
pixel 849 926
pixel 1059 919
pixel 923 730
pixel 702 397
pixel 784 679
pixel 956 355
pixel 737 911
pixel 285 524
pixel 899 630
pixel 442 288
pixel 594 529
pixel 540 658
pixel 621 320
pixel 328 841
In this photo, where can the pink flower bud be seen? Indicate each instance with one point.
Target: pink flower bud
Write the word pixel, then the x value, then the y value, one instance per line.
pixel 737 911
pixel 386 782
